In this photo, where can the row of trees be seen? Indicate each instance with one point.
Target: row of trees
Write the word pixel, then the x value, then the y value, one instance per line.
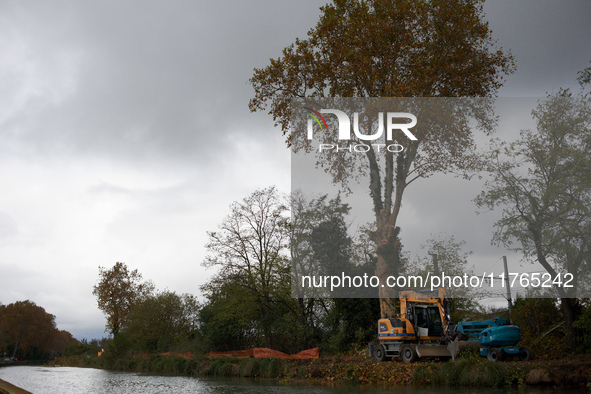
pixel 249 302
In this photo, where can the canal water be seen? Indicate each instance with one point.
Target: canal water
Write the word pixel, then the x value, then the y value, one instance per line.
pixel 66 380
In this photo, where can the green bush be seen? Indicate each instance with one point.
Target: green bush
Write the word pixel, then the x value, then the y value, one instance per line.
pixel 256 367
pixel 245 367
pixel 470 372
pixel 275 368
pixel 222 367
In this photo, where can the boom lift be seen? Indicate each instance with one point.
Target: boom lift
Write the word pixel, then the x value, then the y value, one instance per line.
pixel 496 337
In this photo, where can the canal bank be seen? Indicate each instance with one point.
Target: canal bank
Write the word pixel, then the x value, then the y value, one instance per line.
pixel 572 371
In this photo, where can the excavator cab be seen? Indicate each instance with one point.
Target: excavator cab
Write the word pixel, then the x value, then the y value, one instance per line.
pixel 421 322
pixel 428 321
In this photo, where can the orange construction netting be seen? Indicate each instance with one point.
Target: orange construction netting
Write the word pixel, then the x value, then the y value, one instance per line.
pixel 262 352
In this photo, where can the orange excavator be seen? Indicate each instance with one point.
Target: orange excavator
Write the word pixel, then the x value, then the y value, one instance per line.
pixel 422 329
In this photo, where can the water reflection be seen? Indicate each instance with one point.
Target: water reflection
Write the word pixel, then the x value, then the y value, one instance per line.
pixel 63 380
pixel 66 380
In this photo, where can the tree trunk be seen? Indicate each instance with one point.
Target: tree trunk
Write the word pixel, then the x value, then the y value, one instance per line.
pixel 15 349
pixel 386 235
pixel 570 306
pixel 571 309
pixel 388 264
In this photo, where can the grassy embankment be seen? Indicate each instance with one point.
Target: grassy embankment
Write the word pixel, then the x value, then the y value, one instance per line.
pixel 472 371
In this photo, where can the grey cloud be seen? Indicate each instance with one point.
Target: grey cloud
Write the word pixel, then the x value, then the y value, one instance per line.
pixel 143 80
pixel 548 39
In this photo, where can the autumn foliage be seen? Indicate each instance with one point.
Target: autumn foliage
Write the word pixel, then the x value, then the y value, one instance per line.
pixel 27 330
pixel 117 291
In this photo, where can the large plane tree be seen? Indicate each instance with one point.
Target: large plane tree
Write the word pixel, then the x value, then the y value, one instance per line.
pixel 389 48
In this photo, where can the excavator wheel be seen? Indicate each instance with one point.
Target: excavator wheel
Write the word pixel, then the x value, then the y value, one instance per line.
pixel 380 353
pixel 525 354
pixel 408 353
pixel 494 354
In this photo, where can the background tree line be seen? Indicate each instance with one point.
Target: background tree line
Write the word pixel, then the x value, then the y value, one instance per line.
pixel 248 302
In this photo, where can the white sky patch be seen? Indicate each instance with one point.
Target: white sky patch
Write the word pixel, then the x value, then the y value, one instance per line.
pixel 74 214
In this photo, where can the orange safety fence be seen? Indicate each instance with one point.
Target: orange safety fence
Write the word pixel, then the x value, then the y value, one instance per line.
pixel 186 356
pixel 262 352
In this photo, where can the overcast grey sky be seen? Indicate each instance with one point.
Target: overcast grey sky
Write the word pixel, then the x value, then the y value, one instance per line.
pixel 125 133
